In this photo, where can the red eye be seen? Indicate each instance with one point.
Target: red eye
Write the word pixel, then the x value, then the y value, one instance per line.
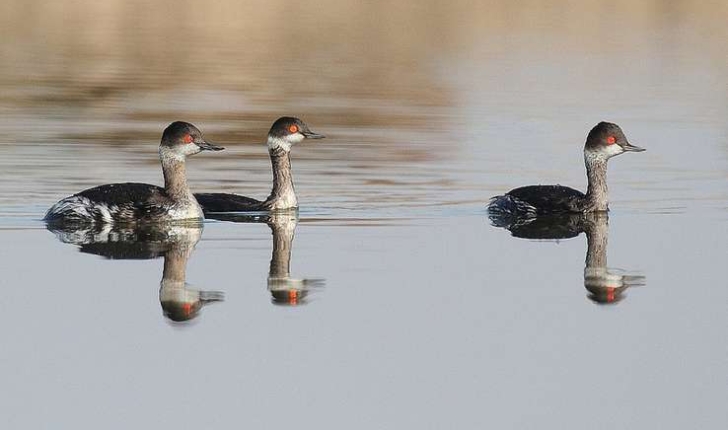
pixel 611 140
pixel 293 128
pixel 188 138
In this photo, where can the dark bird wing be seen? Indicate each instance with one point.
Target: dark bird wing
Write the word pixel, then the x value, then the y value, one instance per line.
pixel 117 194
pixel 549 199
pixel 222 202
pixel 134 201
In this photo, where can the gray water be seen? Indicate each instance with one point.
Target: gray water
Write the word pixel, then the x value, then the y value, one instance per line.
pixel 404 307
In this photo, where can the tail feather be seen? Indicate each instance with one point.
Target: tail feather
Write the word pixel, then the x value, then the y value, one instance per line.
pixel 509 212
pixel 78 209
pixel 507 205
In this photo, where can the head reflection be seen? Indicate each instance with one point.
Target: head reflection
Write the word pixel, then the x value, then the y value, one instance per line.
pixel 604 285
pixel 284 290
pixel 175 242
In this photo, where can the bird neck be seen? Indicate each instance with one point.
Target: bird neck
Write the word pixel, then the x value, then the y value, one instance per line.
pixel 175 177
pixel 597 193
pixel 283 194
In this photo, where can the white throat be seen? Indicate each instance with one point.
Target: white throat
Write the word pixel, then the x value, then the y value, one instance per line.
pixel 286 143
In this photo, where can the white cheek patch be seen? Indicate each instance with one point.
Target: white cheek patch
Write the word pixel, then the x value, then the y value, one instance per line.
pixel 604 153
pixel 614 149
pixel 283 143
pixel 191 149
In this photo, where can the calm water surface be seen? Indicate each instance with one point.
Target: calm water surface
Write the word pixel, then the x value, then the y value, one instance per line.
pixel 389 301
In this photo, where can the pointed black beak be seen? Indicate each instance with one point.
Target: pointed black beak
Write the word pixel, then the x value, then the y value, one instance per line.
pixel 308 134
pixel 628 147
pixel 207 146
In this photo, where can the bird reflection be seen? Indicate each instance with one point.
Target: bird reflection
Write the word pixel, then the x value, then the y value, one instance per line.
pixel 174 242
pixel 284 290
pixel 604 285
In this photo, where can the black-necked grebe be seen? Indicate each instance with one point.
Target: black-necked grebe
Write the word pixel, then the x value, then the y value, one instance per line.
pixel 284 133
pixel 134 202
pixel 604 141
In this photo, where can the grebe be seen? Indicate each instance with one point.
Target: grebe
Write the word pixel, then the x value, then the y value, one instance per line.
pixel 284 133
pixel 141 203
pixel 604 141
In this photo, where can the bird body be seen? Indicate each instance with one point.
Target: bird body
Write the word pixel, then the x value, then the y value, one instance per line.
pixel 142 203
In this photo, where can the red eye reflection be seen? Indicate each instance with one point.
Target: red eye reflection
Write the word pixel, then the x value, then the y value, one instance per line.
pixel 188 138
pixel 293 128
pixel 611 140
